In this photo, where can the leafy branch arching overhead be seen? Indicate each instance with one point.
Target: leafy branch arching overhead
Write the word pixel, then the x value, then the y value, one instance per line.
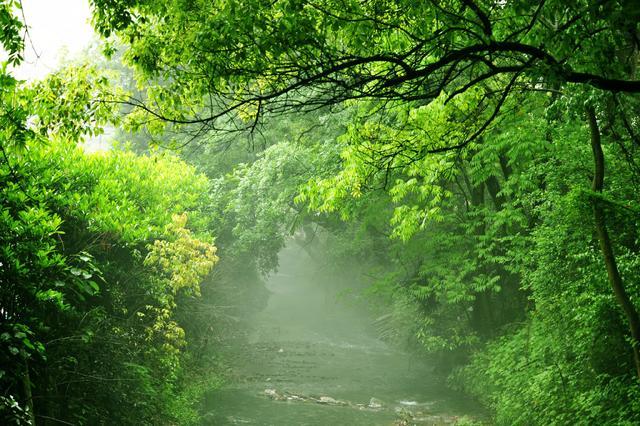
pixel 225 57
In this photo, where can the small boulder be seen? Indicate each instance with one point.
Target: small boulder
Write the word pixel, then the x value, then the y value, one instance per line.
pixel 326 400
pixel 375 404
pixel 272 393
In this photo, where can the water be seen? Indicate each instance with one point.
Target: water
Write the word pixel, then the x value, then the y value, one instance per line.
pixel 311 360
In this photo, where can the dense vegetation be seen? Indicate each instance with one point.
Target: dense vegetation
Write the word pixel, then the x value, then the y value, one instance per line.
pixel 478 159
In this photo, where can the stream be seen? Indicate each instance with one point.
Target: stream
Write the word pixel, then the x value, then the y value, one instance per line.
pixel 312 360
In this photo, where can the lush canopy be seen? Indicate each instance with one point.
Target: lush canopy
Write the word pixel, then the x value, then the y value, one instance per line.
pixel 476 159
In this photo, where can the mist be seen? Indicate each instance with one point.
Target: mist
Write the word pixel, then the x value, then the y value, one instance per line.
pixel 313 356
pixel 319 213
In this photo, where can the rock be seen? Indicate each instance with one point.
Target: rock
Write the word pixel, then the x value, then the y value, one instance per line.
pixel 295 398
pixel 375 404
pixel 272 393
pixel 327 400
pixel 330 401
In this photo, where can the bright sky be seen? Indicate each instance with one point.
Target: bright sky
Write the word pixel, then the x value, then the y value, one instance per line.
pixel 58 29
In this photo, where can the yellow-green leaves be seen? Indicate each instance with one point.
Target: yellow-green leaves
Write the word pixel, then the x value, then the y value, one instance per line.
pixel 180 263
pixel 183 260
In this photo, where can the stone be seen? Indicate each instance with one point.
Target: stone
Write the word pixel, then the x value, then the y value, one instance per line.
pixel 375 404
pixel 271 393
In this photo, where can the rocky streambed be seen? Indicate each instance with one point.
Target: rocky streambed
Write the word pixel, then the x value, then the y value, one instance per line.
pixel 407 412
pixel 310 360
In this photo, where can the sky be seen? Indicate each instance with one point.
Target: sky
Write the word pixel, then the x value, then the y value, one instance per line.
pixel 57 29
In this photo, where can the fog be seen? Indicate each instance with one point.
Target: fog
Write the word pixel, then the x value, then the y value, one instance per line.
pixel 312 357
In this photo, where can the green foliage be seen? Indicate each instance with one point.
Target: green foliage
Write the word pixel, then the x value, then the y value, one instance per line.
pixel 92 265
pixel 71 103
pixel 11 28
pixel 462 178
pixel 201 60
pixel 457 175
pixel 261 201
pixel 12 412
pixel 252 207
pixel 539 375
pixel 569 362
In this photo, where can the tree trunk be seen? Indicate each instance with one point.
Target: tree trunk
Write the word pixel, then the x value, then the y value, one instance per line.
pixel 599 216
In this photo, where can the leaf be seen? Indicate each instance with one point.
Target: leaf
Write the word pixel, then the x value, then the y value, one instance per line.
pixel 28 344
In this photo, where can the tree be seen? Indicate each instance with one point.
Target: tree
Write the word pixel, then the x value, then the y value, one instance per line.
pixel 245 59
pixel 254 57
pixel 95 253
